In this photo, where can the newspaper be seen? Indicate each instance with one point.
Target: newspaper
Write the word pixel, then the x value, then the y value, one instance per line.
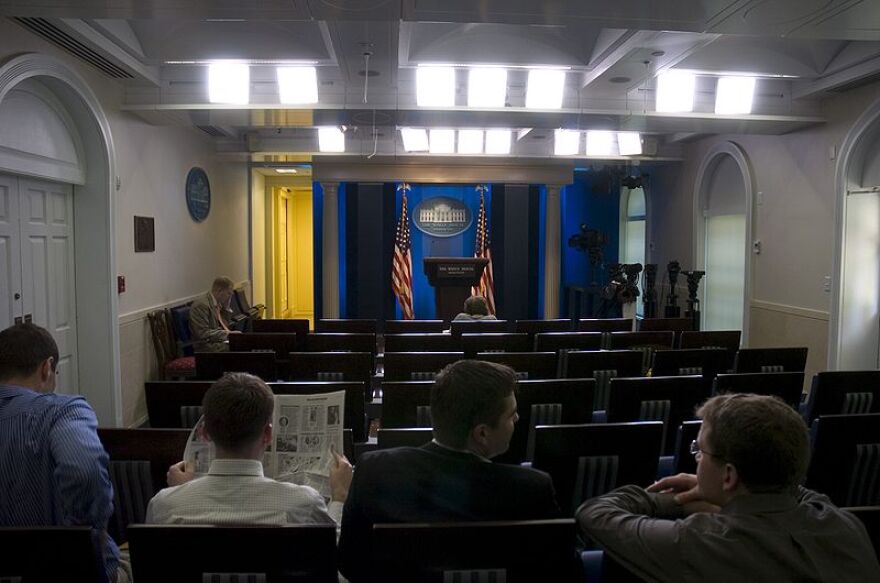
pixel 304 429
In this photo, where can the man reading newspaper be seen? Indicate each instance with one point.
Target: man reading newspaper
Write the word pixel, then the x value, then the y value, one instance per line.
pixel 238 413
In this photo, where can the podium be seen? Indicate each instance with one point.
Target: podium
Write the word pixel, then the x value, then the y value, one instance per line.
pixel 452 279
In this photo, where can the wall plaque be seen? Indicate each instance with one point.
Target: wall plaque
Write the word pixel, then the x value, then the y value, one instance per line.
pixel 442 216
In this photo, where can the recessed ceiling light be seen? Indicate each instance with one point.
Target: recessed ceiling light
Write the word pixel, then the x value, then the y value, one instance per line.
pixel 435 86
pixel 414 139
pixel 599 143
pixel 498 142
pixel 566 142
pixel 734 95
pixel 545 88
pixel 487 87
pixel 629 143
pixel 297 84
pixel 675 91
pixel 442 141
pixel 470 141
pixel 331 139
pixel 228 82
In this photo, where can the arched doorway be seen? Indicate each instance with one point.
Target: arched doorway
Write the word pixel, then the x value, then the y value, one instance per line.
pixel 855 313
pixel 93 208
pixel 722 230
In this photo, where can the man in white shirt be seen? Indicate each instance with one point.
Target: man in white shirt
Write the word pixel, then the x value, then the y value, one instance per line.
pixel 238 419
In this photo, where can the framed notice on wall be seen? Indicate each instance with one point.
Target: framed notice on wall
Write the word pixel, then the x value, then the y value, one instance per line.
pixel 144 234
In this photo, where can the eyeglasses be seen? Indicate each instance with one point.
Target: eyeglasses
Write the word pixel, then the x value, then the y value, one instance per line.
pixel 695 449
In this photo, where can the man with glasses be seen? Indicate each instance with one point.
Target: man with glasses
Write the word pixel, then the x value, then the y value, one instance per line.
pixel 53 468
pixel 743 516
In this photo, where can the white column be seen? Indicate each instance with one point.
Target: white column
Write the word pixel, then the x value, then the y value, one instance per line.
pixel 330 252
pixel 551 252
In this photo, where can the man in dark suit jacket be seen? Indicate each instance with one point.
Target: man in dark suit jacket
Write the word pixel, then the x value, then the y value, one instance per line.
pixel 473 409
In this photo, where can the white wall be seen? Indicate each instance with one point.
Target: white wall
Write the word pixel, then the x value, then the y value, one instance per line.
pixel 152 163
pixel 793 218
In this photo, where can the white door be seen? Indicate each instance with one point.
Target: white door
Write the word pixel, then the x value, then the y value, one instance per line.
pixel 45 263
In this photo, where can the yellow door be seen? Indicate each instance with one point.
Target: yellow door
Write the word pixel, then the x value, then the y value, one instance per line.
pixel 293 265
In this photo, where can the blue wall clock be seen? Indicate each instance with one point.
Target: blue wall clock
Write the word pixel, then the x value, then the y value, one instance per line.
pixel 198 194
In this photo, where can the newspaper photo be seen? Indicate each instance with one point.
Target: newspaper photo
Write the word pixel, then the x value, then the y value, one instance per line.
pixel 304 429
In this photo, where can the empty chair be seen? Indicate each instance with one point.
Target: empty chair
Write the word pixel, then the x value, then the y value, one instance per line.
pixel 213 365
pixel 844 393
pixel 727 339
pixel 341 342
pixel 346 326
pixel 281 344
pixel 770 360
pixel 685 462
pixel 667 399
pixel 51 553
pixel 471 344
pixel 300 327
pixel 708 362
pixel 414 326
pixel 434 342
pixel 592 459
pixel 330 366
pixel 139 460
pixel 417 366
pixel 604 325
pixel 846 459
pixel 603 365
pixel 477 326
pixel 527 365
pixel 532 327
pixel 515 552
pixel 788 386
pixel 403 437
pixel 406 404
pixel 547 402
pixel 556 341
pixel 290 553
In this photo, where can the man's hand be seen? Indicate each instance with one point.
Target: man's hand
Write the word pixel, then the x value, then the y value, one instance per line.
pixel 179 474
pixel 340 476
pixel 686 492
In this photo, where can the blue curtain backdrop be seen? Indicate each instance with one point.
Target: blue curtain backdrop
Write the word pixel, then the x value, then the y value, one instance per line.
pixel 461 245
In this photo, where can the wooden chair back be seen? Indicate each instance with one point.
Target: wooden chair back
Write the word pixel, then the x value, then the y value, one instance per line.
pixel 292 553
pixel 788 386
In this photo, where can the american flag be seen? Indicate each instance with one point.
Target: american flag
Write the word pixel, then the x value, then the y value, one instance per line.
pixel 486 287
pixel 401 270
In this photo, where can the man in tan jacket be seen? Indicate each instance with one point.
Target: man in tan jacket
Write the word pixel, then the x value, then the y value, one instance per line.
pixel 208 317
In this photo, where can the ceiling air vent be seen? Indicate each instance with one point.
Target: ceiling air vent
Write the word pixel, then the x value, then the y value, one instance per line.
pixel 213 131
pixel 52 33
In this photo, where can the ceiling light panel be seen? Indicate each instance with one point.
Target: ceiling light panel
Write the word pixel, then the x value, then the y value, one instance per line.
pixel 487 87
pixel 566 143
pixel 435 86
pixel 297 84
pixel 629 143
pixel 498 142
pixel 414 139
pixel 734 95
pixel 600 143
pixel 675 92
pixel 470 141
pixel 442 141
pixel 331 139
pixel 229 82
pixel 544 89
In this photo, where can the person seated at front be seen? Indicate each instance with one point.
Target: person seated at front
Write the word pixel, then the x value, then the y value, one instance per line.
pixel 475 308
pixel 451 479
pixel 209 317
pixel 238 419
pixel 743 516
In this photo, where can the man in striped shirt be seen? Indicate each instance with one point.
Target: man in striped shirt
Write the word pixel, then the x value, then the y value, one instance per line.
pixel 53 468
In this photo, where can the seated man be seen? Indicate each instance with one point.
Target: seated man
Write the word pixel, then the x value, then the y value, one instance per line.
pixel 743 517
pixel 473 409
pixel 238 419
pixel 54 468
pixel 475 308
pixel 209 317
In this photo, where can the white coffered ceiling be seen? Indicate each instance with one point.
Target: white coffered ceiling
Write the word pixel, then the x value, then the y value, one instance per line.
pixel 613 50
